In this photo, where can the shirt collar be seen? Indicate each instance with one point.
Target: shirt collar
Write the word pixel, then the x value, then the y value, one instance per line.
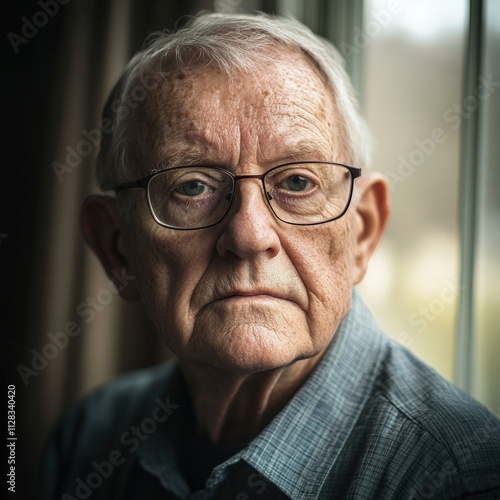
pixel 298 449
pixel 300 446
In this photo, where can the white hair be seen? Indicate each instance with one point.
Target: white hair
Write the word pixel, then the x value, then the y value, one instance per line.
pixel 230 42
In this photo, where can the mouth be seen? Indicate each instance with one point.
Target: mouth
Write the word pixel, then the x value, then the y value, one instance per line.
pixel 235 299
pixel 253 293
pixel 250 296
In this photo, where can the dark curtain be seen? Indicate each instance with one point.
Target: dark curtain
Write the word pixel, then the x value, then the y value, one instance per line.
pixel 62 59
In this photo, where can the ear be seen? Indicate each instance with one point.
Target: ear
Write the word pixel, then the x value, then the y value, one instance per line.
pixel 102 232
pixel 372 215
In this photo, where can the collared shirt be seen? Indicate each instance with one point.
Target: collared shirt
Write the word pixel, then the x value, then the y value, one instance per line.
pixel 370 422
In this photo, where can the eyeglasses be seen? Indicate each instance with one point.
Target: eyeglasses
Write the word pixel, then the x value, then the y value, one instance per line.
pixel 299 193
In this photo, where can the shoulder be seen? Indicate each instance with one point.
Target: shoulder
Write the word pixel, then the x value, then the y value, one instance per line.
pixel 133 390
pixel 123 399
pixel 104 428
pixel 408 432
pixel 428 399
pixel 454 439
pixel 99 421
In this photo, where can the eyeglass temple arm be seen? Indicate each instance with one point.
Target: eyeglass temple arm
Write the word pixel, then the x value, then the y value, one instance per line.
pixel 355 171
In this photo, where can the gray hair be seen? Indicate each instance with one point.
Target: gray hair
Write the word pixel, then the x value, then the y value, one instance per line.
pixel 231 42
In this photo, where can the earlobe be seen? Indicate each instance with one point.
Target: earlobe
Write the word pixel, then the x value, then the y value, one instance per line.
pixel 372 215
pixel 101 231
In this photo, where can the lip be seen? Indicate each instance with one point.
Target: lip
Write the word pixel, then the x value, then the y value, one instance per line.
pixel 260 294
pixel 265 296
pixel 248 300
pixel 252 296
pixel 253 293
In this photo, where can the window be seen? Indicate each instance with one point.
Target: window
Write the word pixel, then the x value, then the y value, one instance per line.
pixel 413 80
pixel 485 366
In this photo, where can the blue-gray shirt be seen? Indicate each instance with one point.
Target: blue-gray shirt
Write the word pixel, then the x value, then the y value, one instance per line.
pixel 371 422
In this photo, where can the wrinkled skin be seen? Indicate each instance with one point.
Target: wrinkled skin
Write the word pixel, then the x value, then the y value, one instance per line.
pixel 193 283
pixel 250 305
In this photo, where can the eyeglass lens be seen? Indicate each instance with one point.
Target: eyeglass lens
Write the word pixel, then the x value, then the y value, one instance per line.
pixel 195 197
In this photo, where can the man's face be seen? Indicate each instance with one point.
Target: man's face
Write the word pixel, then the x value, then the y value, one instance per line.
pixel 251 293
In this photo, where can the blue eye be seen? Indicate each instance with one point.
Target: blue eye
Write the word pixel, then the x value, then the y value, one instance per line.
pixel 296 183
pixel 192 188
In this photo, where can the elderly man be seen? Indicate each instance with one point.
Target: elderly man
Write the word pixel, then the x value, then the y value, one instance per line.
pixel 235 151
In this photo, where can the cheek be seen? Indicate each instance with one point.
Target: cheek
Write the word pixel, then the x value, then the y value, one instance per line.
pixel 326 270
pixel 169 266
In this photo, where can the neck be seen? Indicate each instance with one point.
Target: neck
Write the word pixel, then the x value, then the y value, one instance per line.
pixel 232 408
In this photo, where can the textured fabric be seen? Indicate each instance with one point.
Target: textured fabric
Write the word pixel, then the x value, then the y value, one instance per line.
pixel 371 422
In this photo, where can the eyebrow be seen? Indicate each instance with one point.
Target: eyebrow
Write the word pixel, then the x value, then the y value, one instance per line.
pixel 308 150
pixel 301 151
pixel 184 157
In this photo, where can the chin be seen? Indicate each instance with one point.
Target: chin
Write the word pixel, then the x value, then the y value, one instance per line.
pixel 251 349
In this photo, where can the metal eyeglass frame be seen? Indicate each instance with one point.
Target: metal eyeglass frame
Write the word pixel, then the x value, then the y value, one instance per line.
pixel 144 184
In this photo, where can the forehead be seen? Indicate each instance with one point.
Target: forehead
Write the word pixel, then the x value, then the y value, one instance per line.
pixel 281 111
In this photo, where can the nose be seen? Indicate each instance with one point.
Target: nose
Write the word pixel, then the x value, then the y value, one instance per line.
pixel 250 229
